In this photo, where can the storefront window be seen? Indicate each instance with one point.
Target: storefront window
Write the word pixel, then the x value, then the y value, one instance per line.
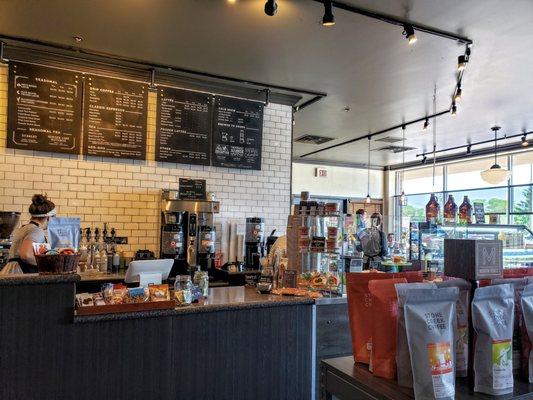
pixel 464 175
pixel 415 179
pixel 522 208
pixel 523 168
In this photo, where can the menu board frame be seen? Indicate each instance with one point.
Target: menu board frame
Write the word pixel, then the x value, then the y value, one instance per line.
pixel 184 126
pixel 237 133
pixel 127 95
pixel 59 129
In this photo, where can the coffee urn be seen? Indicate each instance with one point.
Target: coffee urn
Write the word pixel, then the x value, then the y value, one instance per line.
pixel 254 242
pixel 188 234
pixel 9 220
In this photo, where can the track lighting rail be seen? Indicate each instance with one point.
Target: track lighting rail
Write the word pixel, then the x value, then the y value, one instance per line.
pixel 371 135
pixel 399 22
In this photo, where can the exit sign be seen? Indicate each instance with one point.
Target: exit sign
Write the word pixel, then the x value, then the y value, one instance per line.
pixel 321 172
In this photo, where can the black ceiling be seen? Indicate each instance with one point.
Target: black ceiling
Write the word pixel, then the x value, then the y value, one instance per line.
pixel 363 64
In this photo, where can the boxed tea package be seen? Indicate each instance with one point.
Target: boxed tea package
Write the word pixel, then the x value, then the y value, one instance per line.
pixel 385 311
pixel 527 313
pixel 462 311
pixel 493 320
pixel 403 359
pixel 430 324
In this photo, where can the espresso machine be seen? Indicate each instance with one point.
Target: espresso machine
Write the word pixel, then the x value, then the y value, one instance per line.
pixel 9 220
pixel 188 234
pixel 254 242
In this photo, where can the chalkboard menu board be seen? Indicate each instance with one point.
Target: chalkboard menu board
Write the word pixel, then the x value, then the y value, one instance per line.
pixel 44 108
pixel 115 114
pixel 183 126
pixel 237 133
pixel 192 189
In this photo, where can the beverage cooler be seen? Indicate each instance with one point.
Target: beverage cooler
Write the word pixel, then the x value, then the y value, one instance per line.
pixel 426 241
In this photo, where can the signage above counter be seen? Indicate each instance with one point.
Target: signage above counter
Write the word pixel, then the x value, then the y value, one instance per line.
pixel 237 133
pixel 44 108
pixel 115 113
pixel 56 110
pixel 183 127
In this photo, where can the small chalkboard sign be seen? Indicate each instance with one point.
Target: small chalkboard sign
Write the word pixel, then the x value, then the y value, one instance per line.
pixel 290 278
pixel 192 189
pixel 479 212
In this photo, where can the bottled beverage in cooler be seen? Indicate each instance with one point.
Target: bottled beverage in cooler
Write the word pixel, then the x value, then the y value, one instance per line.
pixel 465 211
pixel 450 211
pixel 432 210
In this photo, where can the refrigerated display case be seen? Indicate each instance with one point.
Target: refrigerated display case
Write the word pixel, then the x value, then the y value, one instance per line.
pixel 426 241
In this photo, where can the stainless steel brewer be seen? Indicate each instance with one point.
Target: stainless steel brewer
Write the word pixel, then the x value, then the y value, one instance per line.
pixel 188 233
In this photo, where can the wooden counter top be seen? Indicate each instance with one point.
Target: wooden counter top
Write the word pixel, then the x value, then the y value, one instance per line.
pixel 344 379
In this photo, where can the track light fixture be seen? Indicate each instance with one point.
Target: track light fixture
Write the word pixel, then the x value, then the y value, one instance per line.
pixel 424 159
pixel 328 19
pixel 469 149
pixel 454 109
pixel 409 33
pixel 461 63
pixel 458 94
pixel 271 7
pixel 426 125
pixel 525 143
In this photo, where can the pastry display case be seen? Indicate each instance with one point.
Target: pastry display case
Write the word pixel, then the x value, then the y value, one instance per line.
pixel 426 241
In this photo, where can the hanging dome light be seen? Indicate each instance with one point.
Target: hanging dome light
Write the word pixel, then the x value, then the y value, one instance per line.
pixel 495 174
pixel 368 199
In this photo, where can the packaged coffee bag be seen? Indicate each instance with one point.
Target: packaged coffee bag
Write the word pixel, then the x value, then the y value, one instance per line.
pixel 430 323
pixel 403 359
pixel 518 286
pixel 64 232
pixel 462 312
pixel 527 314
pixel 385 312
pixel 493 319
pixel 360 308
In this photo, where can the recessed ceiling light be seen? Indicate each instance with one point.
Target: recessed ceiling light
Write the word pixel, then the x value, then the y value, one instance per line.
pixel 78 39
pixel 347 108
pixel 271 7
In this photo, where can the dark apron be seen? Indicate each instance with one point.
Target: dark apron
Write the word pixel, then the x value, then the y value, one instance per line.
pixel 26 267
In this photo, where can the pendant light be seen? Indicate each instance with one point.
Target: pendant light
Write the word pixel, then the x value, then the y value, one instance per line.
pixel 368 175
pixel 495 174
pixel 403 197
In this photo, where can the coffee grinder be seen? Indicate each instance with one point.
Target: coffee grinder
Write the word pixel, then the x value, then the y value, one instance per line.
pixel 9 220
pixel 254 242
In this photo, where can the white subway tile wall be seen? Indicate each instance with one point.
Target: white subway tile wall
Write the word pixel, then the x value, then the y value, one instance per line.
pixel 126 193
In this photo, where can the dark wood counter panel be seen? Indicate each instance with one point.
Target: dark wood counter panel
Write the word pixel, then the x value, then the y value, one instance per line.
pixel 243 348
pixel 343 379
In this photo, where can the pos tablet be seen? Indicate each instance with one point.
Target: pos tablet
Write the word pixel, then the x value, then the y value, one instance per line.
pixel 148 271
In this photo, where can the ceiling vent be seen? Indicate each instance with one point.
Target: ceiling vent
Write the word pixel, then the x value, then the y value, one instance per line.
pixel 313 139
pixel 396 149
pixel 389 139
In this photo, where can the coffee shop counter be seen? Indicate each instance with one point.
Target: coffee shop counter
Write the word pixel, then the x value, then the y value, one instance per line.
pixel 236 345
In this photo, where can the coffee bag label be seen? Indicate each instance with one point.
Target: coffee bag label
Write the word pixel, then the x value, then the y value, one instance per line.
pixel 441 363
pixel 502 364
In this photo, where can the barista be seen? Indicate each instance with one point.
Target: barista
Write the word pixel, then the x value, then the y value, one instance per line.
pixel 373 241
pixel 21 256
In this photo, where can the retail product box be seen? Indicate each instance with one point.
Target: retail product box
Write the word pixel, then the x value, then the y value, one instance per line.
pixel 473 259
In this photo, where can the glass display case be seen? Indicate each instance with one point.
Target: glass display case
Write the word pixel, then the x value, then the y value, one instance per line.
pixel 319 242
pixel 426 241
